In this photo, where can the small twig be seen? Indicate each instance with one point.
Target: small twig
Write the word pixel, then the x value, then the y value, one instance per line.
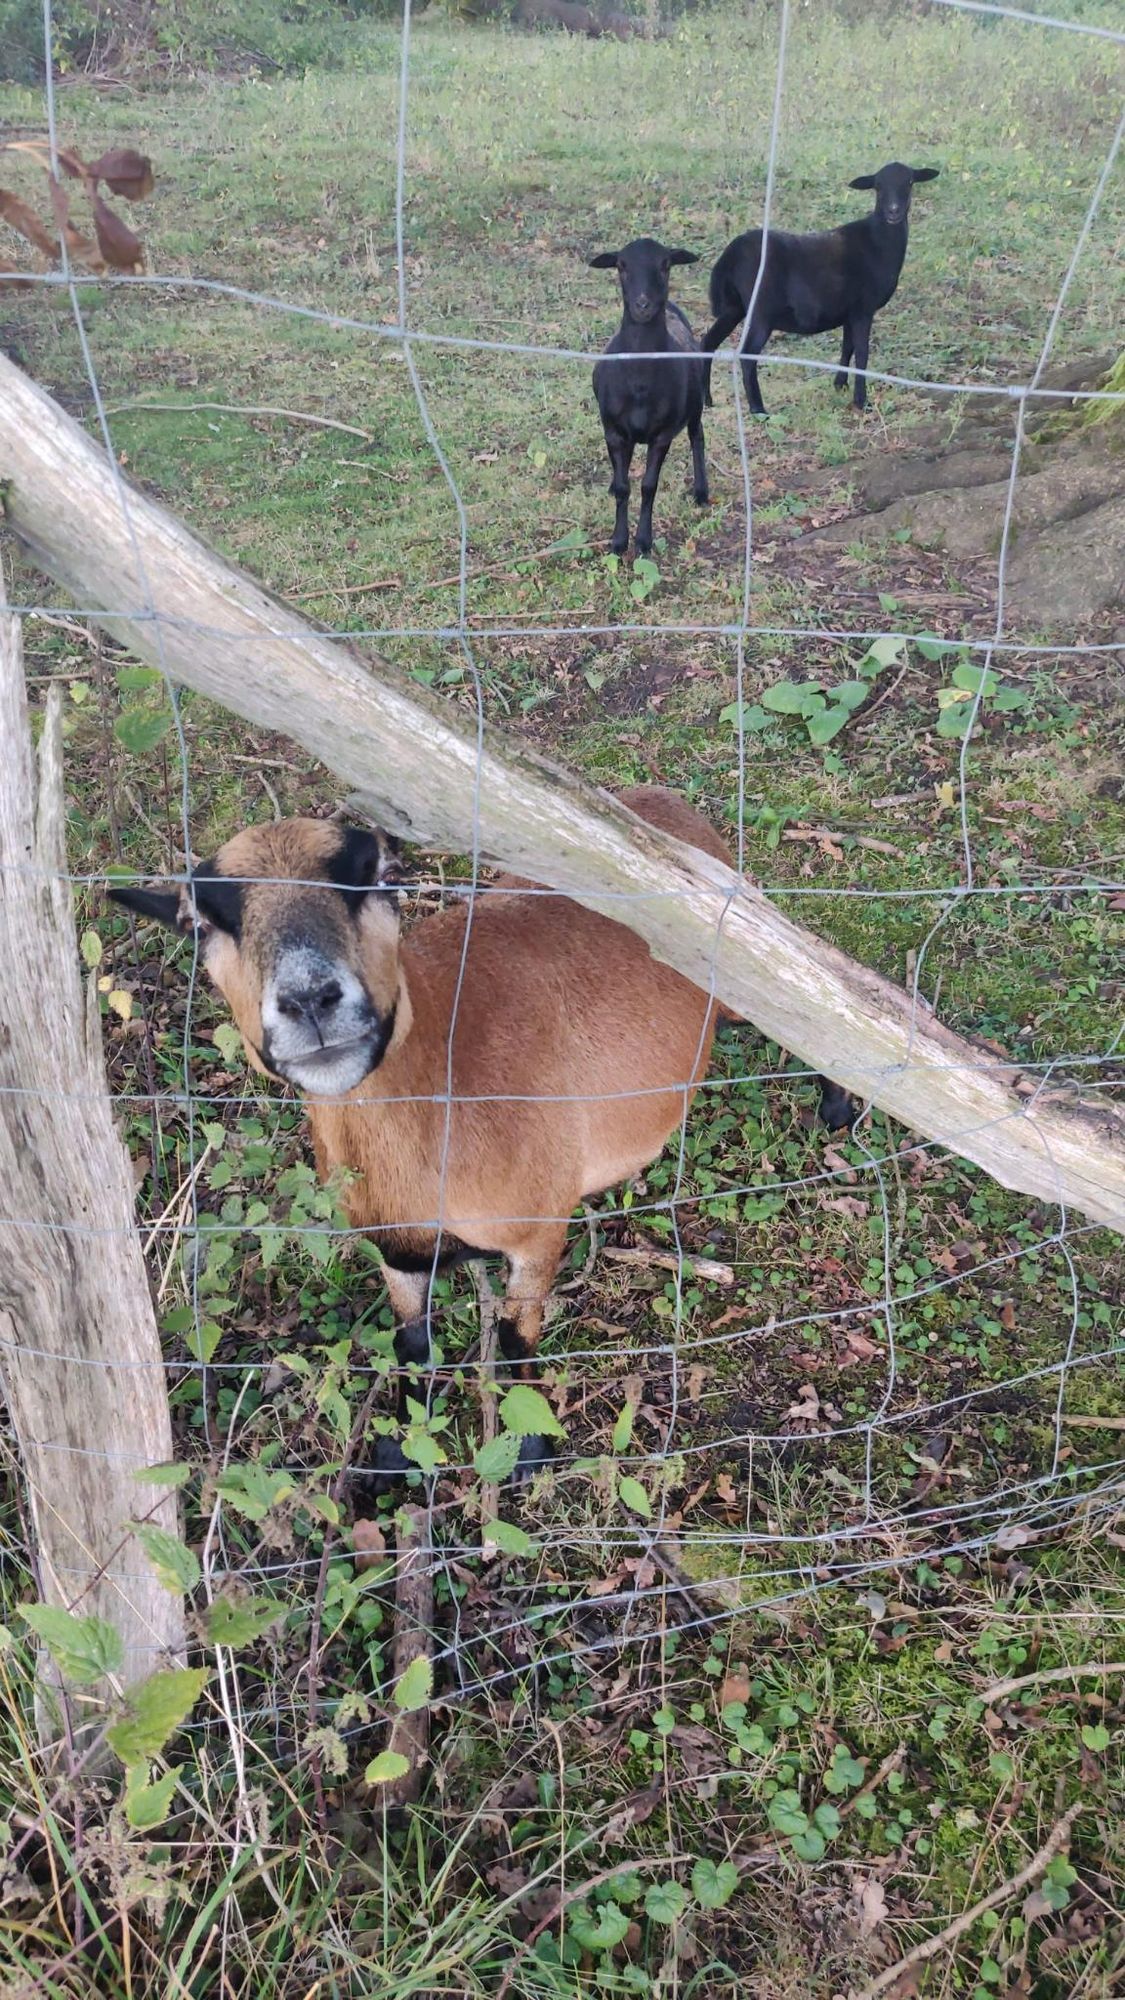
pixel 1088 1670
pixel 1096 1423
pixel 890 1763
pixel 866 713
pixel 930 1946
pixel 313 1666
pixel 489 1312
pixel 414 1621
pixel 248 410
pixel 826 833
pixel 667 1260
pixel 346 589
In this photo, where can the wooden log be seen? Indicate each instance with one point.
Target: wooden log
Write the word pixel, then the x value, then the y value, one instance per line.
pixel 80 1362
pixel 419 768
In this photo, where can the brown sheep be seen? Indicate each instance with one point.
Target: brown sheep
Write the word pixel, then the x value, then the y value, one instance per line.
pixel 574 1058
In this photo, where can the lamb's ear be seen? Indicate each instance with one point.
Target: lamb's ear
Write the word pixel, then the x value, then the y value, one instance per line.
pixel 923 173
pixel 165 905
pixel 863 181
pixel 606 260
pixel 683 257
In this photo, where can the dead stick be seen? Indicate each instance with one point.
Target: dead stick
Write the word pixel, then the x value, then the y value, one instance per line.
pixel 826 833
pixel 930 1946
pixel 1088 1670
pixel 667 1260
pixel 247 410
pixel 890 1763
pixel 414 1620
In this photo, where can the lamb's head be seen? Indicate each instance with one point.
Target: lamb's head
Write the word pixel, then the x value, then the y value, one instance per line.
pixel 894 184
pixel 643 268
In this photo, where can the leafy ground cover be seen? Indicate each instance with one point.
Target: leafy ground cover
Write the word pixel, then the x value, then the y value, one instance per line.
pixel 723 1714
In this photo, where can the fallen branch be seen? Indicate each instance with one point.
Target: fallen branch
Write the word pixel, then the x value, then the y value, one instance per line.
pixel 930 1946
pixel 419 768
pixel 248 410
pixel 667 1260
pixel 834 838
pixel 1050 1676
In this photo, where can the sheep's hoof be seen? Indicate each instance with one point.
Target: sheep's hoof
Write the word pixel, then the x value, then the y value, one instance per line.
pixel 840 380
pixel 619 544
pixel 702 496
pixel 642 546
pixel 535 1452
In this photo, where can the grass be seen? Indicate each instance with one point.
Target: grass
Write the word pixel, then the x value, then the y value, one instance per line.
pixel 804 1696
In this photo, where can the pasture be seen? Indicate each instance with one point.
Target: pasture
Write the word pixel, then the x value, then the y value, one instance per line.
pixel 736 1731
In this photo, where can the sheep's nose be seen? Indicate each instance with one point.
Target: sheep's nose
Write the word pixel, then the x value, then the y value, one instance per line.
pixel 316 1003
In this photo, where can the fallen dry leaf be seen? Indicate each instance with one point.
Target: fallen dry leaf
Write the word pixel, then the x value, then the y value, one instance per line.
pixel 872 1901
pixel 369 1543
pixel 736 1687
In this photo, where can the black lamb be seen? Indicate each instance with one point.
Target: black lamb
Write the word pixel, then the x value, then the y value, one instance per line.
pixel 648 402
pixel 810 284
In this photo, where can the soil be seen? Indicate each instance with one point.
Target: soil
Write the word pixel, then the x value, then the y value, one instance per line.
pixel 1066 542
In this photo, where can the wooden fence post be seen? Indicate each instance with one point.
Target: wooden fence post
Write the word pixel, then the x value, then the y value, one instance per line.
pixel 80 1362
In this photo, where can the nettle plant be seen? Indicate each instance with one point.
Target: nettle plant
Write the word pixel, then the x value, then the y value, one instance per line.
pixel 823 707
pixel 957 701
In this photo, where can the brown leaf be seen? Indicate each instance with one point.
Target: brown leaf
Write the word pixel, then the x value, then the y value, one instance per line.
pixel 860 1348
pixel 10 280
pixel 736 1687
pixel 849 1204
pixel 807 1409
pixel 116 240
pixel 872 1905
pixel 724 1490
pixel 835 1159
pixel 369 1543
pixel 27 224
pixel 125 172
pixel 632 1811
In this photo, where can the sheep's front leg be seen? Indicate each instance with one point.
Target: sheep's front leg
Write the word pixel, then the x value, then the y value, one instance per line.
pixel 658 450
pixel 620 449
pixel 408 1292
pixel 755 342
pixel 840 379
pixel 531 1273
pixel 699 463
pixel 861 336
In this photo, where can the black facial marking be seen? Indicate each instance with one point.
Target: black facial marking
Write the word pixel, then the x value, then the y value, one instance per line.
pixel 218 899
pixel 404 1252
pixel 359 862
pixel 511 1342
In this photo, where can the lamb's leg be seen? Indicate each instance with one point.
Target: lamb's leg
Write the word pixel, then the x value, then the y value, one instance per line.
pixel 712 340
pixel 755 342
pixel 620 449
pixel 699 462
pixel 658 450
pixel 531 1273
pixel 861 335
pixel 840 380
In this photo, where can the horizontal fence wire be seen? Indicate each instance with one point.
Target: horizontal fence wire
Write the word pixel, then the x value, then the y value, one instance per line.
pixel 881 1532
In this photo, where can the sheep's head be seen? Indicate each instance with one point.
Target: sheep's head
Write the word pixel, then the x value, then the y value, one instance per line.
pixel 643 268
pixel 894 185
pixel 297 924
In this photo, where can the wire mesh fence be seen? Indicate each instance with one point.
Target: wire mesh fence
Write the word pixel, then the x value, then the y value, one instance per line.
pixel 826 1495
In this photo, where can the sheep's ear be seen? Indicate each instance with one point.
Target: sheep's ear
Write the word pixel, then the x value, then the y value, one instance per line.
pixel 925 173
pixel 606 260
pixel 165 905
pixel 863 181
pixel 683 257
